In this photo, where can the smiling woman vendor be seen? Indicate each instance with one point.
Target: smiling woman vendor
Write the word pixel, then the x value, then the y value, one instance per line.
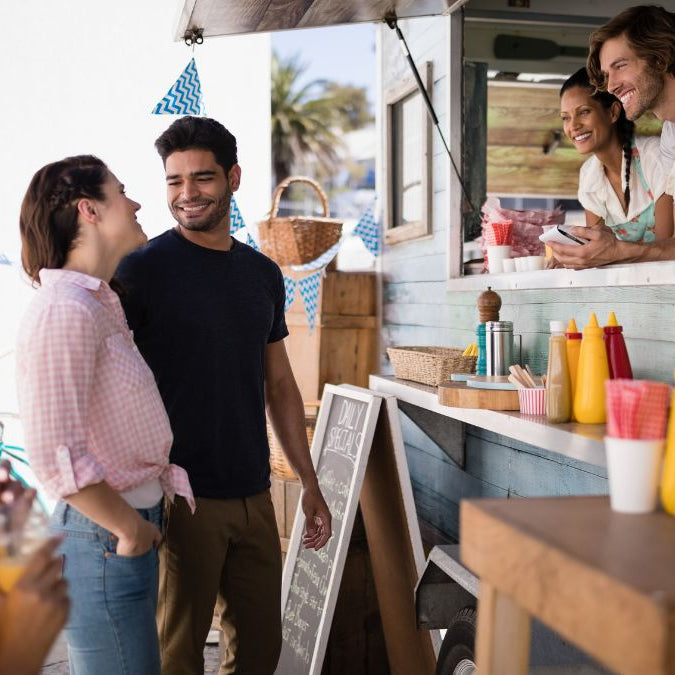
pixel 623 184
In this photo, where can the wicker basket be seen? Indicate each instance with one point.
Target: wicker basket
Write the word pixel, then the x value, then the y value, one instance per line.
pixel 297 240
pixel 429 365
pixel 278 462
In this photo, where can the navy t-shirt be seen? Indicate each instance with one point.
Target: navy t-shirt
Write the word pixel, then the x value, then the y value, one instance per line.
pixel 202 320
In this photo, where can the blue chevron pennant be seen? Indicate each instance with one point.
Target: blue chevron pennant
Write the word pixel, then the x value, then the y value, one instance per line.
pixel 251 242
pixel 236 221
pixel 185 95
pixel 289 285
pixel 319 262
pixel 309 290
pixel 369 230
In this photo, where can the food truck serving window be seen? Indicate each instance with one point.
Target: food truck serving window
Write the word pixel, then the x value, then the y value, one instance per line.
pixel 525 153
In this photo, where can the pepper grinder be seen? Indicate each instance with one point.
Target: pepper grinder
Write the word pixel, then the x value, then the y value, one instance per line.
pixel 489 304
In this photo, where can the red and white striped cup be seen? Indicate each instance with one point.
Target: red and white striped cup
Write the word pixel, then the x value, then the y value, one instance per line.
pixel 532 401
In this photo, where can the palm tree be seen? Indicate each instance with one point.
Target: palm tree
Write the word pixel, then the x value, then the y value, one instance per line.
pixel 303 120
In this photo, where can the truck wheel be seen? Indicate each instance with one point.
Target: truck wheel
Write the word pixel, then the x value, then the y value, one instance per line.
pixel 457 656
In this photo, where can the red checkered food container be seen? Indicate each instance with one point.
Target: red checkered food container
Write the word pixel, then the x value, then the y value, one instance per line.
pixel 532 401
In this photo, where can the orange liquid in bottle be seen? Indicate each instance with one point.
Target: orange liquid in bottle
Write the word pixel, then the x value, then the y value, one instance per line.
pixel 11 569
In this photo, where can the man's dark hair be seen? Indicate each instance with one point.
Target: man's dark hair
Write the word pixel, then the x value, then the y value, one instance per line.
pixel 199 133
pixel 650 31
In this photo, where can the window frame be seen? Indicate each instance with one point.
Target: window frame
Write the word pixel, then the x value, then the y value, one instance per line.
pixel 394 234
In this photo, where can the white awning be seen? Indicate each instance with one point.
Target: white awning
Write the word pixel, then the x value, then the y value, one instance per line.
pixel 232 17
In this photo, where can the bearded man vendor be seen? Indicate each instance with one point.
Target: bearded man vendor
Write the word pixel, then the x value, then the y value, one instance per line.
pixel 633 57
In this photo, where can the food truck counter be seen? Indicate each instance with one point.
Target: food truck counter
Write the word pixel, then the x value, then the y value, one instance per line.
pixel 581 442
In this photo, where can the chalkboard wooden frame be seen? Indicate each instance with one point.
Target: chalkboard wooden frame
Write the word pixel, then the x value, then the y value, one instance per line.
pixel 341 533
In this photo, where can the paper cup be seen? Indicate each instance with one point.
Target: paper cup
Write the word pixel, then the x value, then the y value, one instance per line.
pixel 535 262
pixel 532 401
pixel 633 469
pixel 508 265
pixel 521 264
pixel 495 255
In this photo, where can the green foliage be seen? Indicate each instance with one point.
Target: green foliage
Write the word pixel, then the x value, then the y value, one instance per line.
pixel 307 120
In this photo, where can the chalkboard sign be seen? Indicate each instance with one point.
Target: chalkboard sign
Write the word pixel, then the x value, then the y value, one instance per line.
pixel 342 441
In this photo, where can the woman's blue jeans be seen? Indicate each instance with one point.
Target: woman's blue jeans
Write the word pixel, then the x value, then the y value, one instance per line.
pixel 111 629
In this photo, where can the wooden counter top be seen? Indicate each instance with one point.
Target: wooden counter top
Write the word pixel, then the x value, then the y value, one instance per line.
pixel 603 580
pixel 583 442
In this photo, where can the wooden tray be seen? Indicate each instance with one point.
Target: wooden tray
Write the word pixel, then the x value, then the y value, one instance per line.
pixel 458 395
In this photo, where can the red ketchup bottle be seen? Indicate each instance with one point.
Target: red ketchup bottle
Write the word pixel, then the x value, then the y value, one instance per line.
pixel 617 354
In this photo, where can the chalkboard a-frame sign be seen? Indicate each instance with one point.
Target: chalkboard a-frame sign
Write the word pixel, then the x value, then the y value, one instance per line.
pixel 340 448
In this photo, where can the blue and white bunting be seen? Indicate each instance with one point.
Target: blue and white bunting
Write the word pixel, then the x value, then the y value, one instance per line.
pixel 309 290
pixel 185 95
pixel 369 230
pixel 289 285
pixel 319 262
pixel 236 221
pixel 251 242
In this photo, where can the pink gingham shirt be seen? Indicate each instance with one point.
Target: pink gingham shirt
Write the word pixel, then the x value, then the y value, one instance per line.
pixel 89 404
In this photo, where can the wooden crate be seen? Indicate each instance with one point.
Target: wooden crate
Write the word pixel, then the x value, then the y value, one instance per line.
pixel 285 497
pixel 343 346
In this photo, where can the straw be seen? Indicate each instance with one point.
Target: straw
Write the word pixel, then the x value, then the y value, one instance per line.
pixel 498 233
pixel 652 412
pixel 636 408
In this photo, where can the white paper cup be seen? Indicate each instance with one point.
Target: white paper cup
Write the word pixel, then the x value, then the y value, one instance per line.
pixel 535 262
pixel 509 265
pixel 521 264
pixel 633 469
pixel 496 254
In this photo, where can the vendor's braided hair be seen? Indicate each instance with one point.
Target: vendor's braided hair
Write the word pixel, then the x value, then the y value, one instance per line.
pixel 49 216
pixel 625 129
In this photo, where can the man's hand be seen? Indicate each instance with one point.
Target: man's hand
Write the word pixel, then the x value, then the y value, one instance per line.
pixel 33 613
pixel 317 518
pixel 601 248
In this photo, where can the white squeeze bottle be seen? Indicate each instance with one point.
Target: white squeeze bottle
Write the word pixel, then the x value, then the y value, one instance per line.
pixel 558 383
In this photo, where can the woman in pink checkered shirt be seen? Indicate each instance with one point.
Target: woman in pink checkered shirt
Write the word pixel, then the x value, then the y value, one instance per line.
pixel 97 435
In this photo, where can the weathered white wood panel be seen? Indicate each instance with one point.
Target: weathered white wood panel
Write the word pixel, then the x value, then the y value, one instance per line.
pixel 425 268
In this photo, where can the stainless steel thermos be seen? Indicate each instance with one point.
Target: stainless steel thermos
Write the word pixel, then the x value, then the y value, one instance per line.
pixel 499 347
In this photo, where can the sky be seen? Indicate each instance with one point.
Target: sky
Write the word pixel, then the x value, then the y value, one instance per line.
pixel 344 54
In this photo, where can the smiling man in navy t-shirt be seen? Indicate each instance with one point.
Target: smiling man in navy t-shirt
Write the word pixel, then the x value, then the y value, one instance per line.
pixel 207 313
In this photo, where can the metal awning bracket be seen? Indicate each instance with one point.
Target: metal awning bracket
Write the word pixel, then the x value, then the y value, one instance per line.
pixel 193 36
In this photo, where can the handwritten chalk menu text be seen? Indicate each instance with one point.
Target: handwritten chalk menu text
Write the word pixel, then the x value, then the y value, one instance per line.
pixel 340 450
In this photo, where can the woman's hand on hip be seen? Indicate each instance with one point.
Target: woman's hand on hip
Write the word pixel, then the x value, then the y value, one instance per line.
pixel 145 537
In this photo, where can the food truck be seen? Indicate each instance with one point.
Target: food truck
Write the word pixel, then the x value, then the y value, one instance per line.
pixel 488 126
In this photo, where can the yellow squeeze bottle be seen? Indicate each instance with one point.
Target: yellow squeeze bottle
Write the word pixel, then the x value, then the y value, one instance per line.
pixel 668 477
pixel 592 372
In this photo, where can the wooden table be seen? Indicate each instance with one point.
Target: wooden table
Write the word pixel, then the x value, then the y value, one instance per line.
pixel 603 580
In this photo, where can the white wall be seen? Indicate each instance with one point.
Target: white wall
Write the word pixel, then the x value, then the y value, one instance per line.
pixel 81 76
